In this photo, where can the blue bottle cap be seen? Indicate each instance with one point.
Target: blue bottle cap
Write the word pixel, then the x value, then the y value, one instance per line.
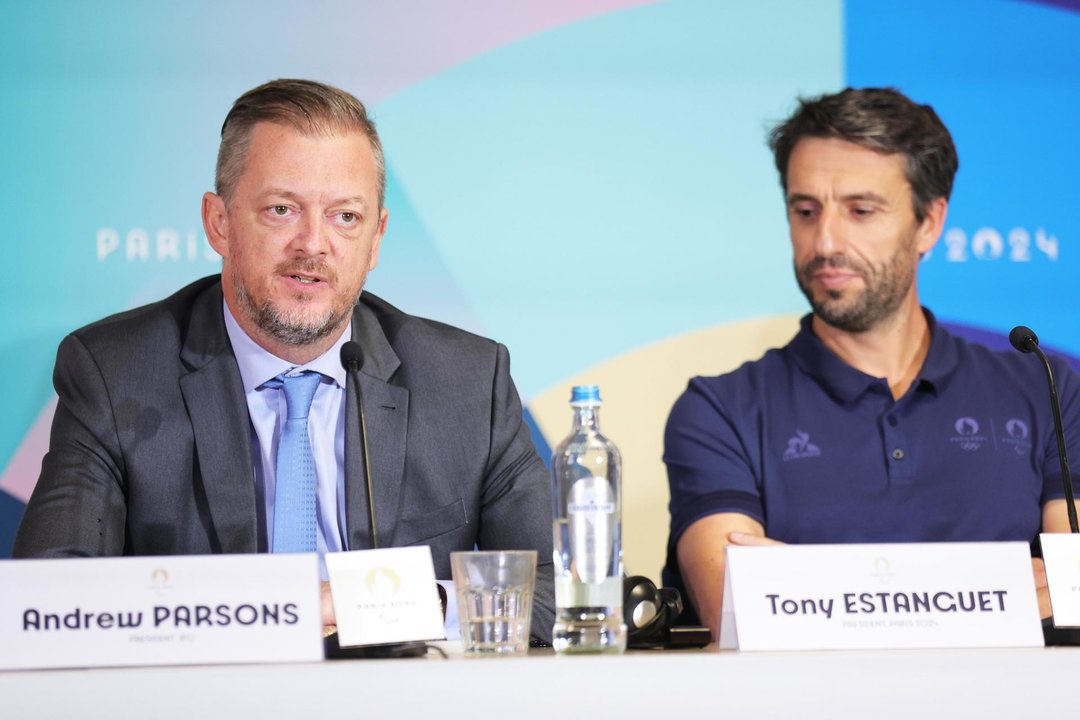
pixel 585 395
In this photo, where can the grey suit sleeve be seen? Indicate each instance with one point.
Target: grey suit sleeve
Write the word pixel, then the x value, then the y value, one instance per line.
pixel 516 502
pixel 77 508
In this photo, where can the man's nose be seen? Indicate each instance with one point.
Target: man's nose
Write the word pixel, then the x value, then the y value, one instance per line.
pixel 829 239
pixel 311 235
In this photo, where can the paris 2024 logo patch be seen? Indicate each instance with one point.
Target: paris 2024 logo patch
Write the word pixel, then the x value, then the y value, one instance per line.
pixel 1016 436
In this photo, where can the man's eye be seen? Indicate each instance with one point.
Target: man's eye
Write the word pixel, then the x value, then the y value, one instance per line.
pixel 349 217
pixel 280 210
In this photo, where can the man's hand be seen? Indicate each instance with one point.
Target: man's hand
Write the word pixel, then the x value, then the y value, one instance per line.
pixel 327 610
pixel 1042 590
pixel 746 539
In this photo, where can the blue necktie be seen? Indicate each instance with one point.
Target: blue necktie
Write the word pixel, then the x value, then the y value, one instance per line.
pixel 294 495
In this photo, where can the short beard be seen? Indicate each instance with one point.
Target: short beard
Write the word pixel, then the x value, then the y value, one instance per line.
pixel 886 286
pixel 289 330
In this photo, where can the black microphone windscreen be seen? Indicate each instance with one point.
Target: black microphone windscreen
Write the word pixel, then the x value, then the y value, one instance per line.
pixel 1021 337
pixel 352 356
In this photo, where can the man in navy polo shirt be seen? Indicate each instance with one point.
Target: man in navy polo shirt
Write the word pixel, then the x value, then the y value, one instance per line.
pixel 874 424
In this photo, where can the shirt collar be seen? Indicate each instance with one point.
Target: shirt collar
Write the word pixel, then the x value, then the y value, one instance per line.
pixel 257 365
pixel 846 384
pixel 942 360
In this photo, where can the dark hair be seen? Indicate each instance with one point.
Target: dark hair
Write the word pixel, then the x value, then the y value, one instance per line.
pixel 880 119
pixel 309 107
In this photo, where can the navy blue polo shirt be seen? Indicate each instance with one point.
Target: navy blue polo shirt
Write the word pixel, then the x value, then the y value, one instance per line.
pixel 819 452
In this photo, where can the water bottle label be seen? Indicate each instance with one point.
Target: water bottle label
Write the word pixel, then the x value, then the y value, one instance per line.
pixel 606 594
pixel 591 509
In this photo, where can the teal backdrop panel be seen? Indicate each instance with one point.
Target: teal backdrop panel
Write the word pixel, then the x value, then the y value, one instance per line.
pixel 579 179
pixel 576 178
pixel 606 185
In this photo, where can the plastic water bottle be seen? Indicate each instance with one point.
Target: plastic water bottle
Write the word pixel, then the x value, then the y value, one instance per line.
pixel 586 487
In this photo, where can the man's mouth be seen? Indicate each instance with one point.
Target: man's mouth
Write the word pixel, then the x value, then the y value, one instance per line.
pixel 307 273
pixel 835 281
pixel 833 276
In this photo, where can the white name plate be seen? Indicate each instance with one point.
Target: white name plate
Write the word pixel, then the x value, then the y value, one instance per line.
pixel 385 596
pixel 165 610
pixel 1061 553
pixel 917 595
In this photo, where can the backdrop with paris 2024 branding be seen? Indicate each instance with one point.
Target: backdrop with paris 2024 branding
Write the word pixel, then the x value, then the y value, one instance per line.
pixel 585 180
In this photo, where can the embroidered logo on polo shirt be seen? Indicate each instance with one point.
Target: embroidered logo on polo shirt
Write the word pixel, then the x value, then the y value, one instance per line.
pixel 967 434
pixel 1017 435
pixel 800 446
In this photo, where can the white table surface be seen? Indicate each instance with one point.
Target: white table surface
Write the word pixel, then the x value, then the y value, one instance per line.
pixel 908 684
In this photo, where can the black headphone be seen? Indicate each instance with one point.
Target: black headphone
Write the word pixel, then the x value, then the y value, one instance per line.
pixel 649 612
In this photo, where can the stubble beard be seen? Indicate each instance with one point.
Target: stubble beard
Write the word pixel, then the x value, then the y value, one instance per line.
pixel 294 329
pixel 884 288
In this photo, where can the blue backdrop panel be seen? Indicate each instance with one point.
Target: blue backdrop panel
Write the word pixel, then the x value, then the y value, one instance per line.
pixel 1005 78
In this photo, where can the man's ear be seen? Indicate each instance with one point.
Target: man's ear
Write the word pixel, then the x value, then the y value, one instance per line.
pixel 932 224
pixel 215 221
pixel 373 259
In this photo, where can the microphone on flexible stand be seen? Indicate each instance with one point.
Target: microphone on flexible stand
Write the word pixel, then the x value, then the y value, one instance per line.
pixel 352 359
pixel 1025 340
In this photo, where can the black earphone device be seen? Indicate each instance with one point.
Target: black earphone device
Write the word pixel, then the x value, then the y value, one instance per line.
pixel 650 614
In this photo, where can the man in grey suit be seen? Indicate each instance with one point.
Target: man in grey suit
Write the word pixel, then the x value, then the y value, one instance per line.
pixel 169 415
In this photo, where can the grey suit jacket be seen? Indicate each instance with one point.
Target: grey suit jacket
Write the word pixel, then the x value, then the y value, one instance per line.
pixel 151 442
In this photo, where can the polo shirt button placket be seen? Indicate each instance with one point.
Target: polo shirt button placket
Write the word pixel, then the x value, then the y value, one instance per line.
pixel 899 468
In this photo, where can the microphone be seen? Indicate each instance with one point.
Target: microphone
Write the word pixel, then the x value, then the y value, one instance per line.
pixel 1025 340
pixel 352 359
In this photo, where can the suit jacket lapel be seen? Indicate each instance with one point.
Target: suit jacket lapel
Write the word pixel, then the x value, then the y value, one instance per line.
pixel 386 411
pixel 214 394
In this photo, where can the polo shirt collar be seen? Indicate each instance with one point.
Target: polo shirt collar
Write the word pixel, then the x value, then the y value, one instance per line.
pixel 942 360
pixel 258 365
pixel 847 384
